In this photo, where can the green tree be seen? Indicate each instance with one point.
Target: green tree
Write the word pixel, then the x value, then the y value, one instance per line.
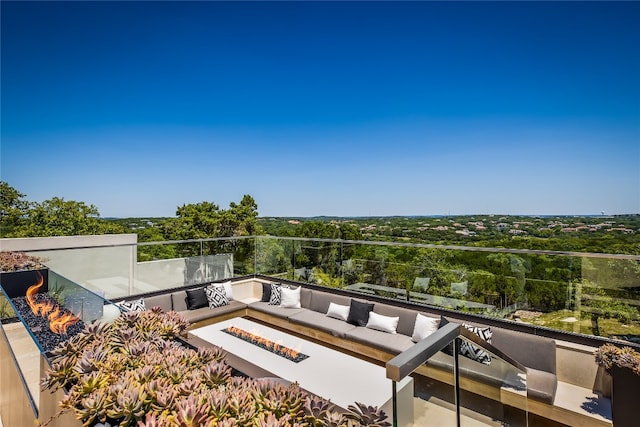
pixel 206 220
pixel 13 208
pixel 59 217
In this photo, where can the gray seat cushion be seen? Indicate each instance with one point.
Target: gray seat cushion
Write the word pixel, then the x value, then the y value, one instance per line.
pixel 392 343
pixel 541 385
pixel 320 321
pixel 207 313
pixel 275 310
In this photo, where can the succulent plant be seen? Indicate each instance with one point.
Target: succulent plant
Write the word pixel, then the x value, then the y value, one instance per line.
pixel 367 415
pixel 18 261
pixel 609 355
pixel 133 372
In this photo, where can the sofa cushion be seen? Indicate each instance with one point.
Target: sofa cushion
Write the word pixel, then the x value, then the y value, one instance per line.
pixel 532 351
pixel 322 322
pixel 228 289
pixel 392 343
pixel 266 292
pixel 196 298
pixel 305 298
pixel 179 300
pixel 541 385
pixel 274 310
pixel 216 296
pixel 472 351
pixel 359 312
pixel 407 317
pixel 320 301
pixel 133 305
pixel 337 311
pixel 424 326
pixel 207 313
pixel 276 294
pixel 163 301
pixel 382 323
pixel 290 298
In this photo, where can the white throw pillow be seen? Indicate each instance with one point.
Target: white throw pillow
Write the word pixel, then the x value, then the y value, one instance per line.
pixel 382 323
pixel 424 327
pixel 228 290
pixel 338 311
pixel 290 298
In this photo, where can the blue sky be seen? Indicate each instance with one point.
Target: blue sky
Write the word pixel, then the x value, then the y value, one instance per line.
pixel 324 108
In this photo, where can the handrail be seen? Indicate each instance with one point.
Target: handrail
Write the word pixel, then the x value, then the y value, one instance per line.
pixel 409 360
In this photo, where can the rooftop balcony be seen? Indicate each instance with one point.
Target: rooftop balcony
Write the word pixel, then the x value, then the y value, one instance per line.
pixel 580 300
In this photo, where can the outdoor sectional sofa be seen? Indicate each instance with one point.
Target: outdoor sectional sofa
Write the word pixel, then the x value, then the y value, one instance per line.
pixel 536 353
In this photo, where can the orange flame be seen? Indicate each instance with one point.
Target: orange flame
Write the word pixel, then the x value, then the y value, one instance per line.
pixel 59 323
pixel 58 320
pixel 275 347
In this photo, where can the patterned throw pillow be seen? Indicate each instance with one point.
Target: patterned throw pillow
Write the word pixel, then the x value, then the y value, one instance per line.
pixel 276 294
pixel 216 296
pixel 133 305
pixel 472 351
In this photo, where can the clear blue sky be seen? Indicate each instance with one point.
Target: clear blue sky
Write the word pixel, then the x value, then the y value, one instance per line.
pixel 324 108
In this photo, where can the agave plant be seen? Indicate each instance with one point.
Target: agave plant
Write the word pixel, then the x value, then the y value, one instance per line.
pixel 133 373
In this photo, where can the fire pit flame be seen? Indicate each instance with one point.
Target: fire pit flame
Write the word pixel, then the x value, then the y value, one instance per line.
pixel 272 346
pixel 59 321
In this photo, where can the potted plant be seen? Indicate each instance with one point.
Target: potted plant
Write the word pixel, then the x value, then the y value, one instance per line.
pixel 19 270
pixel 623 364
pixel 133 372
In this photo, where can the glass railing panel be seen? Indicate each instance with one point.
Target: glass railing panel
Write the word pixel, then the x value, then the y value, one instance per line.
pixel 200 262
pixel 434 391
pixel 492 390
pixel 317 261
pixel 107 270
pixel 275 257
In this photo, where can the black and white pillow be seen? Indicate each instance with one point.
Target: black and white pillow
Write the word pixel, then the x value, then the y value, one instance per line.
pixel 133 305
pixel 216 295
pixel 276 294
pixel 472 351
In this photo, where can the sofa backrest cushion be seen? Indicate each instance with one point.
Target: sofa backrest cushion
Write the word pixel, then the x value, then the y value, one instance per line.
pixel 532 351
pixel 162 301
pixel 320 301
pixel 305 297
pixel 179 300
pixel 407 317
